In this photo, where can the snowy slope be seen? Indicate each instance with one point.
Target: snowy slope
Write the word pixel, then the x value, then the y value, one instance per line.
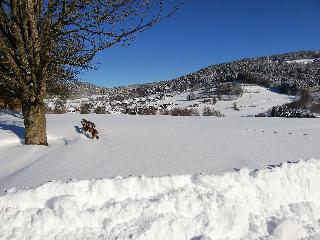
pixel 254 100
pixel 282 203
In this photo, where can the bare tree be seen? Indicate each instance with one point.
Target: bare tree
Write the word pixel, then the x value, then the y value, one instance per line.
pixel 43 42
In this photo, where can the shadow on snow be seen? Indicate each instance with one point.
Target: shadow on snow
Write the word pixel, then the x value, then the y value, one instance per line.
pixel 79 130
pixel 17 130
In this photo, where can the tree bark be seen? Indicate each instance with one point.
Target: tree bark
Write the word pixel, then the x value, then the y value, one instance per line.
pixel 34 122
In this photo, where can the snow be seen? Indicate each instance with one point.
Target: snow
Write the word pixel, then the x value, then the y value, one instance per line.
pixel 164 177
pixel 152 146
pixel 303 61
pixel 281 203
pixel 254 100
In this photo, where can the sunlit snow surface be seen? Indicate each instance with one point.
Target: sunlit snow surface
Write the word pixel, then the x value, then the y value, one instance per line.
pixel 282 203
pixel 173 201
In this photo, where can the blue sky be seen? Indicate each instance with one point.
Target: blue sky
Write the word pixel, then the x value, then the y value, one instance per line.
pixel 206 32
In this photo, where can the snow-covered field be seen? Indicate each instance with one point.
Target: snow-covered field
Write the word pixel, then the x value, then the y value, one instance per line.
pixel 69 190
pixel 152 146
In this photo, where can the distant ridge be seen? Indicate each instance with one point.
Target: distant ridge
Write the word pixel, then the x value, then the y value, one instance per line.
pixel 290 72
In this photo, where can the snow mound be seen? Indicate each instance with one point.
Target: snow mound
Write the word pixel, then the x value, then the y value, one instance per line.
pixel 278 203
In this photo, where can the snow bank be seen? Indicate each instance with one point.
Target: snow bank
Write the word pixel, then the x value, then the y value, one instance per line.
pixel 280 203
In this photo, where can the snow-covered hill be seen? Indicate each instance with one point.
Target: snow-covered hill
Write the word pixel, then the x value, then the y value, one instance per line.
pixel 254 100
pixel 291 72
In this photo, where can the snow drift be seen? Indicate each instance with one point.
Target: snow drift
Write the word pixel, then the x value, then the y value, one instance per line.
pixel 278 203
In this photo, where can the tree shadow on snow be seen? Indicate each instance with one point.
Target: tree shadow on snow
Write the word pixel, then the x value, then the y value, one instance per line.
pixel 78 129
pixel 17 130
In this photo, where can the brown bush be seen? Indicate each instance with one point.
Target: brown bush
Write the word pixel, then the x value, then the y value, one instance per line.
pixel 85 108
pixel 315 107
pixel 164 112
pixel 147 111
pixel 100 110
pixel 184 112
pixel 207 111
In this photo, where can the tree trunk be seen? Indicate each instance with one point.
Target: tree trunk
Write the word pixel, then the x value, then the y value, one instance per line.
pixel 34 122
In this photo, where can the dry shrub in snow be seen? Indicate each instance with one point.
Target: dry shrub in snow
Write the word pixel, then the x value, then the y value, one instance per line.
pixel 208 111
pixel 184 112
pixel 235 106
pixel 214 100
pixel 315 107
pixel 100 110
pixel 85 108
pixel 164 112
pixel 59 107
pixel 147 111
